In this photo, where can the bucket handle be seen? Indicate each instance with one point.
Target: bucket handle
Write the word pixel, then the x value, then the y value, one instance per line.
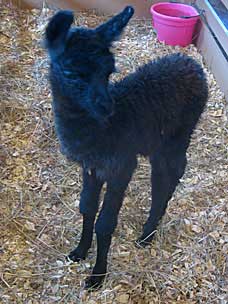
pixel 201 12
pixel 189 17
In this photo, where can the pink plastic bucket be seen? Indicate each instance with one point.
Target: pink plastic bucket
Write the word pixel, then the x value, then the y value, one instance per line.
pixel 174 22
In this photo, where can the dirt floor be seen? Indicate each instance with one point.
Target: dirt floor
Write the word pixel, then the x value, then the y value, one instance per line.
pixel 39 190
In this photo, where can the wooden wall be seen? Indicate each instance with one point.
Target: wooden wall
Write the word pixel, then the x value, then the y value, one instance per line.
pixel 213 43
pixel 142 7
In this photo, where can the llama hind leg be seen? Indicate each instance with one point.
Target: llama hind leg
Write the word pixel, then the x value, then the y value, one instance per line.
pixel 88 207
pixel 168 166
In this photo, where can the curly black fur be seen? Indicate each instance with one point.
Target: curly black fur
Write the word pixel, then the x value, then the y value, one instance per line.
pixel 104 126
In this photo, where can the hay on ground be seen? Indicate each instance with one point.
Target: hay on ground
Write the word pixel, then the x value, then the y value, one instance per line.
pixel 39 189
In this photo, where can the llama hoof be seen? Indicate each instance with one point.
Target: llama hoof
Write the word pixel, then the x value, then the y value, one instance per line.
pixel 76 256
pixel 94 282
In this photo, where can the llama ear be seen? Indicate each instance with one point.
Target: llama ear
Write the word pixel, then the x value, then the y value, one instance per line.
pixel 57 30
pixel 112 29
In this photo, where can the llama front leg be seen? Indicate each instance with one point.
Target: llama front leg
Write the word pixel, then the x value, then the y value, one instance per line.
pixel 104 228
pixel 106 224
pixel 168 166
pixel 89 202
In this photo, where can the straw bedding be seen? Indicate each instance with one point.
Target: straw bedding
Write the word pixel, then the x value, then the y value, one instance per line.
pixel 39 189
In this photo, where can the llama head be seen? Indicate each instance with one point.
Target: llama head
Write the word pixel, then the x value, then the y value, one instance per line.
pixel 84 55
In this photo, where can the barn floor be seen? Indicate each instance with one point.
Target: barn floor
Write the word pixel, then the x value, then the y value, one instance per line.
pixel 39 190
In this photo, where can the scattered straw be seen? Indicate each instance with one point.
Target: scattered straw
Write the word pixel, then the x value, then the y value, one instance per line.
pixel 39 191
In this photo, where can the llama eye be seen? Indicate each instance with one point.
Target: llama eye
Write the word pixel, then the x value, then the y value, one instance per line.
pixel 82 75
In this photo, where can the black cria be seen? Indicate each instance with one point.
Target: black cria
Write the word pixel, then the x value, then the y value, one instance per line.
pixel 104 126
